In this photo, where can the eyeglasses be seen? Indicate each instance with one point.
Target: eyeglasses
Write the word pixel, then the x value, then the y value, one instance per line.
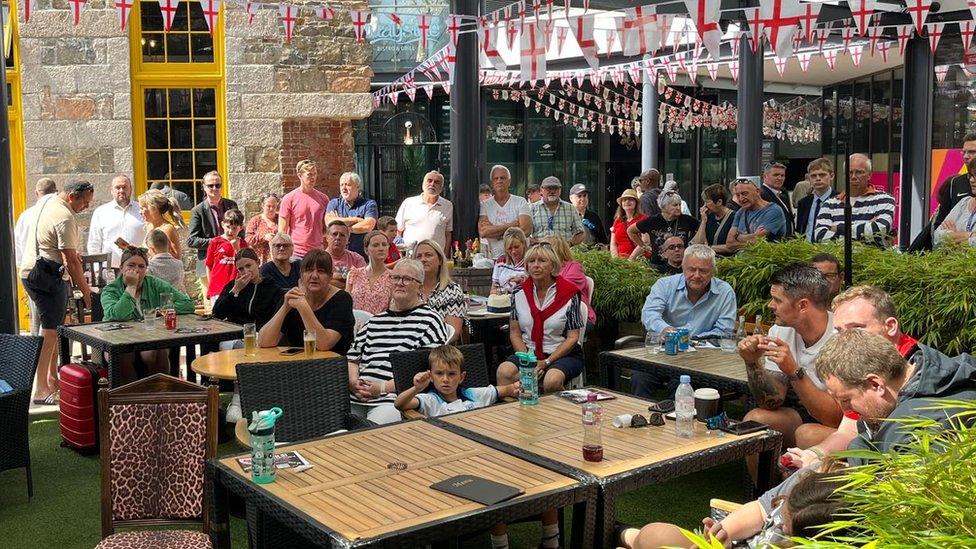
pixel 281 246
pixel 674 247
pixel 397 279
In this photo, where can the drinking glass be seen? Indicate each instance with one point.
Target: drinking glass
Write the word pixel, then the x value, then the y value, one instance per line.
pixel 250 340
pixel 652 342
pixel 149 320
pixel 308 339
pixel 728 342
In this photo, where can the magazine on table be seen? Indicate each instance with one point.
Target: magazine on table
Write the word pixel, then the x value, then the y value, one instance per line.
pixel 579 395
pixel 283 460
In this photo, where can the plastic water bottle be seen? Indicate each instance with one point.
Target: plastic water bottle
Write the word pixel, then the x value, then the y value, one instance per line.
pixel 262 429
pixel 529 394
pixel 740 330
pixel 684 409
pixel 592 423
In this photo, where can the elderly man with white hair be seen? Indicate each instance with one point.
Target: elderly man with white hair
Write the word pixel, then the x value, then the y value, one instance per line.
pixel 352 208
pixel 872 211
pixel 755 218
pixel 501 212
pixel 119 218
pixel 694 299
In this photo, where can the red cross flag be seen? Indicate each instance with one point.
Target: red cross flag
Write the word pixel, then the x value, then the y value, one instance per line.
pixel 670 70
pixel 561 33
pixel 846 35
pixel 692 70
pixel 547 28
pixel 862 10
pixel 755 27
pixel 904 33
pixel 289 14
pixel 712 70
pixel 124 7
pixel 449 60
pixel 430 69
pixel 873 34
pixel 168 7
pixel 533 54
pixel 252 9
pixel 883 47
pixel 326 13
pixel 611 41
pixel 830 56
pixel 423 24
pixel 620 23
pixel 360 18
pixel 935 33
pixel 919 10
pixel 211 12
pixel 454 27
pixel 734 70
pixel 489 41
pixel 736 40
pixel 780 18
pixel 856 51
pixel 582 27
pixel 822 36
pixel 705 14
pixel 29 9
pixel 512 30
pixel 397 20
pixel 808 20
pixel 940 73
pixel 633 70
pixel 966 29
pixel 804 59
pixel 664 28
pixel 429 88
pixel 780 63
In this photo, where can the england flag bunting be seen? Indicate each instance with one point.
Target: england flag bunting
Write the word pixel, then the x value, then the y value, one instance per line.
pixel 736 41
pixel 966 29
pixel 620 24
pixel 29 10
pixel 808 20
pixel 429 68
pixel 423 25
pixel 780 18
pixel 846 34
pixel 289 14
pixel 856 51
pixel 211 13
pixel 780 63
pixel 883 47
pixel 634 71
pixel 489 41
pixel 755 21
pixel 935 34
pixel 394 96
pixel 671 70
pixel 582 27
pixel 376 102
pixel 395 17
pixel 804 59
pixel 547 29
pixel 919 10
pixel 692 70
pixel 704 14
pixel 454 28
pixel 664 28
pixel 327 13
pixel 904 33
pixel 873 34
pixel 533 54
pixel 734 70
pixel 123 6
pixel 822 36
pixel 169 9
pixel 940 73
pixel 429 88
pixel 712 70
pixel 861 11
pixel 448 60
pixel 252 9
pixel 511 32
pixel 561 33
pixel 360 18
pixel 611 41
pixel 830 56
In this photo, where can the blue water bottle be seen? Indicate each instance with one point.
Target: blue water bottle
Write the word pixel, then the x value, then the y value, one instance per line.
pixel 262 429
pixel 529 394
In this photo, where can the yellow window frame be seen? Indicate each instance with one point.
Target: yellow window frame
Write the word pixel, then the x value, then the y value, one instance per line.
pixel 15 122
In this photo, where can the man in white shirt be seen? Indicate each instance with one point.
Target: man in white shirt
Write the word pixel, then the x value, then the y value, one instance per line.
pixel 785 358
pixel 44 186
pixel 500 212
pixel 118 218
pixel 427 215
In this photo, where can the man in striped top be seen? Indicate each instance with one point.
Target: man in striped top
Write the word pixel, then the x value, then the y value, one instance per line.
pixel 872 211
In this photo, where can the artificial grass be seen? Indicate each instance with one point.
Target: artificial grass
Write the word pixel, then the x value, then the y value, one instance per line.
pixel 65 510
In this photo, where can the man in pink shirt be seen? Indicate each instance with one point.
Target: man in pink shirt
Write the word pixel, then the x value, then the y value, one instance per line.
pixel 337 244
pixel 302 212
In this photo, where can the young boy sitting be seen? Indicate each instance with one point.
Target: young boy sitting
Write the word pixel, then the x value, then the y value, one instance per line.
pixel 162 264
pixel 447 373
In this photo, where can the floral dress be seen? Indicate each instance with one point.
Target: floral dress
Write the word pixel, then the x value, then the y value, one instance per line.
pixel 371 296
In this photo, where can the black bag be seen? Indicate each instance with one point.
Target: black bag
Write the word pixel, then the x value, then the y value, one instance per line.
pixel 45 276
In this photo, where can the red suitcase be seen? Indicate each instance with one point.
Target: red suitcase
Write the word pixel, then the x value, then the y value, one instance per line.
pixel 79 405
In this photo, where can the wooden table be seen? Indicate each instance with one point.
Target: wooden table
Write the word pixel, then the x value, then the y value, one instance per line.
pixel 713 368
pixel 551 434
pixel 223 364
pixel 137 338
pixel 371 488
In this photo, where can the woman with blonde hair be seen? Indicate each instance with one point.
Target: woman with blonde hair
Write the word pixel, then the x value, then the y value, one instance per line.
pixel 163 213
pixel 573 272
pixel 509 269
pixel 438 290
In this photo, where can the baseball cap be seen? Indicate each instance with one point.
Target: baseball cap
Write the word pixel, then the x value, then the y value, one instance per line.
pixel 551 181
pixel 578 188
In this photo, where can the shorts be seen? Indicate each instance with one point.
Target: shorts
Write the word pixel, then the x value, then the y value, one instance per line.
pixel 570 365
pixel 50 308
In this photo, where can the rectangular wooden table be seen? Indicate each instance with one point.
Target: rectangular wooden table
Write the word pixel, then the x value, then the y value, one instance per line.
pixel 371 488
pixel 713 368
pixel 551 434
pixel 138 338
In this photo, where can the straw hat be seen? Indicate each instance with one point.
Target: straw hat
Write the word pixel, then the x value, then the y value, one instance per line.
pixel 628 193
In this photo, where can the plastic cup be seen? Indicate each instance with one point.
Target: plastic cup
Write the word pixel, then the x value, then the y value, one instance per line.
pixel 250 340
pixel 622 420
pixel 707 403
pixel 652 342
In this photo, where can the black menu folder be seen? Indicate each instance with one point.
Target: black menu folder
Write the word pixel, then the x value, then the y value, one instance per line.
pixel 482 490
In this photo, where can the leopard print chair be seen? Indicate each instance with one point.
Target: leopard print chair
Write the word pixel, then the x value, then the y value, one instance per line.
pixel 156 435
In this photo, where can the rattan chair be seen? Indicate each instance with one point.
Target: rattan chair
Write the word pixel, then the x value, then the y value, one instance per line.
pixel 156 436
pixel 406 365
pixel 17 368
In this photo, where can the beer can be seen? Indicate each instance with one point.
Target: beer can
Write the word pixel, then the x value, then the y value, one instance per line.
pixel 684 339
pixel 671 343
pixel 170 317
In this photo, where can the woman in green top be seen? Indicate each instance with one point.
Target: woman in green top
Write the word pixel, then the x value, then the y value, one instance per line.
pixel 133 295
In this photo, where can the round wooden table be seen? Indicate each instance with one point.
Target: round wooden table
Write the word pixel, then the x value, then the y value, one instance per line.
pixel 223 364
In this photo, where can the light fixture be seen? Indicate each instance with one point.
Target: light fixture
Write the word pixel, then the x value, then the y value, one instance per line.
pixel 407 138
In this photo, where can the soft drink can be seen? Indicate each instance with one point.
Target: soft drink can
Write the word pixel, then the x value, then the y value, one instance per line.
pixel 684 339
pixel 671 343
pixel 170 317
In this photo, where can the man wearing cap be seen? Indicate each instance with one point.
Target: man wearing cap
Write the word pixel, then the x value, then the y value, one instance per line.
pixel 553 216
pixel 501 212
pixel 593 228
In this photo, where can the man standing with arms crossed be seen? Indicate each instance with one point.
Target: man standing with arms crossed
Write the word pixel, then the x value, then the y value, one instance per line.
pixel 205 224
pixel 302 212
pixel 501 212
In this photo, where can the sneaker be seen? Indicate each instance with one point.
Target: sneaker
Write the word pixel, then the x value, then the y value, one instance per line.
pixel 234 409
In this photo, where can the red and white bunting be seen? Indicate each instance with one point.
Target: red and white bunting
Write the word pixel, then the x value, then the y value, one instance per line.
pixel 712 70
pixel 736 40
pixel 633 69
pixel 611 42
pixel 454 28
pixel 78 6
pixel 873 34
pixel 705 14
pixel 423 24
pixel 489 41
pixel 966 29
pixel 124 8
pixel 596 79
pixel 411 89
pixel 940 73
pixel 446 86
pixel 641 33
pixel 395 17
pixel 919 10
pixel 671 70
pixel 582 27
pixel 808 20
pixel 692 70
pixel 211 13
pixel 449 60
pixel 511 32
pixel 780 64
pixel 376 102
pixel 521 14
pixel 822 36
pixel 904 33
pixel 935 34
pixel 561 33
pixel 883 47
pixel 252 9
pixel 856 51
pixel 327 13
pixel 755 21
pixel 360 18
pixel 830 56
pixel 846 35
pixel 29 10
pixel 680 57
pixel 734 70
pixel 804 59
pixel 780 18
pixel 664 28
pixel 429 88
pixel 861 11
pixel 533 54
pixel 621 31
pixel 547 29
pixel 289 14
pixel 168 7
pixel 394 96
pixel 972 10
pixel 430 70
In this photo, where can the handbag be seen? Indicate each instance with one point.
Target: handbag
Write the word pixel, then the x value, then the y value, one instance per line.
pixel 44 276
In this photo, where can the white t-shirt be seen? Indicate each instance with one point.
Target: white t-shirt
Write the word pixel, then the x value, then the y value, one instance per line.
pixel 432 404
pixel 420 221
pixel 554 328
pixel 804 356
pixel 499 215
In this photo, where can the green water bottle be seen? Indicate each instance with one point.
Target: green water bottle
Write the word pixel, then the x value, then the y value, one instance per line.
pixel 529 395
pixel 262 429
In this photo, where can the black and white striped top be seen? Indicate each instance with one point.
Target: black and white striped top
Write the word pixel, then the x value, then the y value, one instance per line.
pixel 872 216
pixel 393 332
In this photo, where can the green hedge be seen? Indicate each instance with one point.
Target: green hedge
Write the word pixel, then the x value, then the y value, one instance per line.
pixel 935 293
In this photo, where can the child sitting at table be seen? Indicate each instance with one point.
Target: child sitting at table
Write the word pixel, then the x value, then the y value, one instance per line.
pixel 162 264
pixel 448 396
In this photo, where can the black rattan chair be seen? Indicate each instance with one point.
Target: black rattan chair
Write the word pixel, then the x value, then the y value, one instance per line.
pixel 20 355
pixel 406 365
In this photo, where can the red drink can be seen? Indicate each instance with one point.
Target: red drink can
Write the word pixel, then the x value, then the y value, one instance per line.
pixel 170 317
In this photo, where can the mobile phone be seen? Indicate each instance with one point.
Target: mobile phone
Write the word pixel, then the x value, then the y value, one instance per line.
pixel 121 243
pixel 292 351
pixel 745 427
pixel 662 406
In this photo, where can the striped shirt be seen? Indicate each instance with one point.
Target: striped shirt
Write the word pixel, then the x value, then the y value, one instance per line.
pixel 393 332
pixel 872 216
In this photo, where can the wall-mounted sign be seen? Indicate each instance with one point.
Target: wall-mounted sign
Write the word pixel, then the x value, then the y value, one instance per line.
pixel 505 133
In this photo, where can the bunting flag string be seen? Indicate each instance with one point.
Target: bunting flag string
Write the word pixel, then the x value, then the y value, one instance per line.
pixel 211 13
pixel 167 7
pixel 124 7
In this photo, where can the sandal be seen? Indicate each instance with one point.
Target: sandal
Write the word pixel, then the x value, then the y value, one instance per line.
pixel 49 400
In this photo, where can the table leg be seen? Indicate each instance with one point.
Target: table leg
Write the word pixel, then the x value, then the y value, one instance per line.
pixel 767 469
pixel 606 515
pixel 112 366
pixel 612 374
pixel 64 349
pixel 584 519
pixel 218 509
pixel 191 355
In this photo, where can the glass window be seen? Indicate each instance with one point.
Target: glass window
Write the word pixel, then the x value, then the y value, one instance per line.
pixel 506 140
pixel 188 40
pixel 544 144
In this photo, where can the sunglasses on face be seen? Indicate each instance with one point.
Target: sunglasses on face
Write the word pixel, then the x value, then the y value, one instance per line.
pixel 214 186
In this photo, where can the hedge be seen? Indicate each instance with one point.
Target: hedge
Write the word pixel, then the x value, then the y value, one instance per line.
pixel 935 293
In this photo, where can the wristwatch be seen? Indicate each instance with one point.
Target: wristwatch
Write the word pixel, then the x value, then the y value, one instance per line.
pixel 547 362
pixel 797 374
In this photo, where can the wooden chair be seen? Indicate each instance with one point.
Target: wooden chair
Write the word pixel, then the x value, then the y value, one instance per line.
pixel 93 265
pixel 21 354
pixel 156 436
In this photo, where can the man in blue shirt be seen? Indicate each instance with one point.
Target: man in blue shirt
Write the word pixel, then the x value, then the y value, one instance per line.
pixel 756 217
pixel 693 299
pixel 350 207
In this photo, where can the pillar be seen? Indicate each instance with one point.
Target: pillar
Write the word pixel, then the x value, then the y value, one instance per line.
pixel 649 109
pixel 8 280
pixel 749 102
pixel 916 142
pixel 467 133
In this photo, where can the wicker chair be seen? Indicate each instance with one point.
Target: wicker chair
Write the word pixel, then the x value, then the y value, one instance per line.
pixel 21 355
pixel 156 436
pixel 406 365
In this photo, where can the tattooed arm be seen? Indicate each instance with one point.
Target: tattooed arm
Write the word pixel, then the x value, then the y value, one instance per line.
pixel 768 387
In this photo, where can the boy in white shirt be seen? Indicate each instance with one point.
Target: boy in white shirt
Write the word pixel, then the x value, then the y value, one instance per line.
pixel 162 264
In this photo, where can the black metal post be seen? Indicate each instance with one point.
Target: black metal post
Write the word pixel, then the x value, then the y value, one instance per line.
pixel 467 131
pixel 916 142
pixel 749 102
pixel 8 279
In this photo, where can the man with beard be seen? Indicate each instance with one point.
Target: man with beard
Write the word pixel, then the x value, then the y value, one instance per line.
pixel 553 216
pixel 959 224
